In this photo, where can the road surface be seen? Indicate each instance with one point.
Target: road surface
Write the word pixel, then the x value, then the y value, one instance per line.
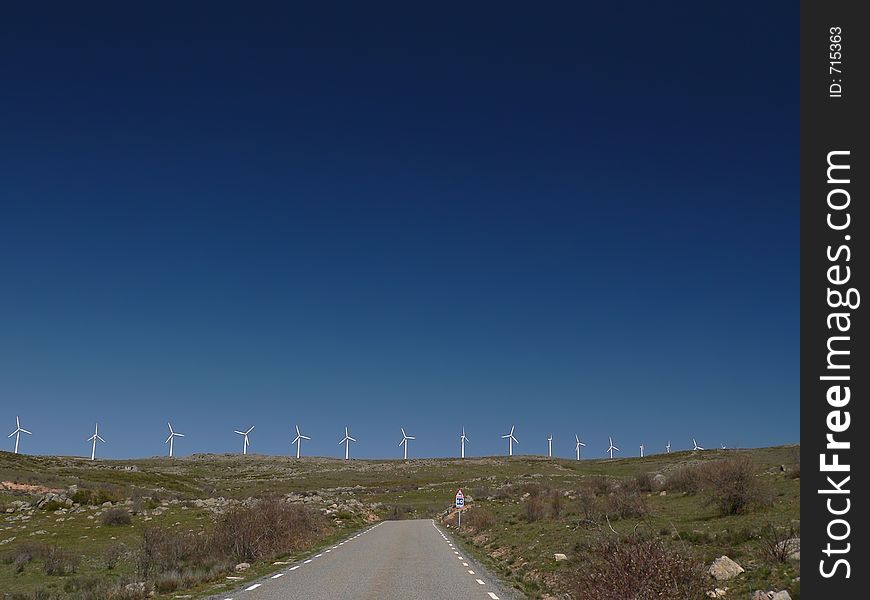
pixel 413 560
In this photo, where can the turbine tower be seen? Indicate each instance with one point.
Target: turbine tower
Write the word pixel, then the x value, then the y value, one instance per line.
pixel 696 446
pixel 170 439
pixel 668 447
pixel 550 446
pixel 641 450
pixel 94 439
pixel 612 448
pixel 17 433
pixel 404 441
pixel 298 441
pixel 346 441
pixel 462 439
pixel 578 445
pixel 511 440
pixel 246 442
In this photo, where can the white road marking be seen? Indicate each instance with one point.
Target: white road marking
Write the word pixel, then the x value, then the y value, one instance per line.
pixel 465 565
pixel 318 555
pixel 253 587
pixel 294 567
pixel 480 581
pixel 460 558
pixel 328 551
pixel 307 561
pixel 493 596
pixel 470 572
pixel 278 575
pixel 455 552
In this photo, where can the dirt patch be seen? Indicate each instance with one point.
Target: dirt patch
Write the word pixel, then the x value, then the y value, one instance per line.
pixel 11 486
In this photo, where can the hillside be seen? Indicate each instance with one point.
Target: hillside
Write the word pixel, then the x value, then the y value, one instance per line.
pixel 522 511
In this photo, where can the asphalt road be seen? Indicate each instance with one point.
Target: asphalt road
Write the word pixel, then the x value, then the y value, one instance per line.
pixel 391 560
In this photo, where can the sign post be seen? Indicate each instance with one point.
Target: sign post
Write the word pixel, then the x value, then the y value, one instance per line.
pixel 460 505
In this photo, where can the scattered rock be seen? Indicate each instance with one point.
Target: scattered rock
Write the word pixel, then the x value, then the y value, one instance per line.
pixel 137 587
pixel 723 568
pixel 560 557
pixel 717 593
pixel 243 566
pixel 783 595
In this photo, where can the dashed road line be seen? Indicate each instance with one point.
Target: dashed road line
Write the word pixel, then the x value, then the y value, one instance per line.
pixel 493 596
pixel 277 575
pixel 480 581
pixel 253 587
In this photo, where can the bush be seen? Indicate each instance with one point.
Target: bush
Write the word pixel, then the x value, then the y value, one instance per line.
pixel 617 568
pixel 97 496
pixel 777 543
pixel 533 508
pixel 626 502
pixel 60 562
pixel 645 482
pixel 480 518
pixel 555 504
pixel 116 516
pixel 113 554
pixel 602 485
pixel 686 479
pixel 734 487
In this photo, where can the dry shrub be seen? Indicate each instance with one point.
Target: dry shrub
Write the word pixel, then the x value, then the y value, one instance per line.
pixel 533 508
pixel 734 487
pixel 686 479
pixel 626 502
pixel 602 485
pixel 480 518
pixel 777 543
pixel 116 516
pixel 271 528
pixel 113 554
pixel 588 505
pixel 645 482
pixel 555 504
pixel 59 561
pixel 617 568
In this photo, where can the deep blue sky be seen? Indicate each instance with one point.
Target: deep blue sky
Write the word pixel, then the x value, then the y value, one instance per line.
pixel 573 219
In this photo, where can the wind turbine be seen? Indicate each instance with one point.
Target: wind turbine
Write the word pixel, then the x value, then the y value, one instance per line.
pixel 346 441
pixel 668 447
pixel 462 439
pixel 17 433
pixel 511 440
pixel 170 439
pixel 577 445
pixel 612 448
pixel 404 441
pixel 246 442
pixel 94 439
pixel 298 441
pixel 724 447
pixel 550 446
pixel 641 450
pixel 696 446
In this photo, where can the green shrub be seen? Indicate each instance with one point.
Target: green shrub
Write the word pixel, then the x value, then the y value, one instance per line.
pixel 116 516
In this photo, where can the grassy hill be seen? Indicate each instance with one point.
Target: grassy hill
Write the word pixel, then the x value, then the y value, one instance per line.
pixel 523 510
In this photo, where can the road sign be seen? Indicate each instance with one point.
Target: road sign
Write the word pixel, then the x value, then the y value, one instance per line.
pixel 460 499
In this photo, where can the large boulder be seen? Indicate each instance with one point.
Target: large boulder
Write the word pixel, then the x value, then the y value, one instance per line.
pixel 723 568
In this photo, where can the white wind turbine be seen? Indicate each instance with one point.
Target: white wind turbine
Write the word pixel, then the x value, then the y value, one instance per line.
pixel 94 439
pixel 298 441
pixel 612 448
pixel 668 447
pixel 641 450
pixel 550 446
pixel 696 446
pixel 578 445
pixel 462 439
pixel 346 441
pixel 17 433
pixel 246 442
pixel 511 440
pixel 171 439
pixel 724 447
pixel 404 441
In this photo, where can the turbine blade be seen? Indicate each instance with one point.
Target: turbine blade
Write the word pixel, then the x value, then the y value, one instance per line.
pixel 240 432
pixel 13 433
pixel 296 439
pixel 101 439
pixel 251 429
pixel 411 437
pixel 352 439
pixel 178 434
pixel 305 437
pixel 403 432
pixel 167 439
pixel 297 430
